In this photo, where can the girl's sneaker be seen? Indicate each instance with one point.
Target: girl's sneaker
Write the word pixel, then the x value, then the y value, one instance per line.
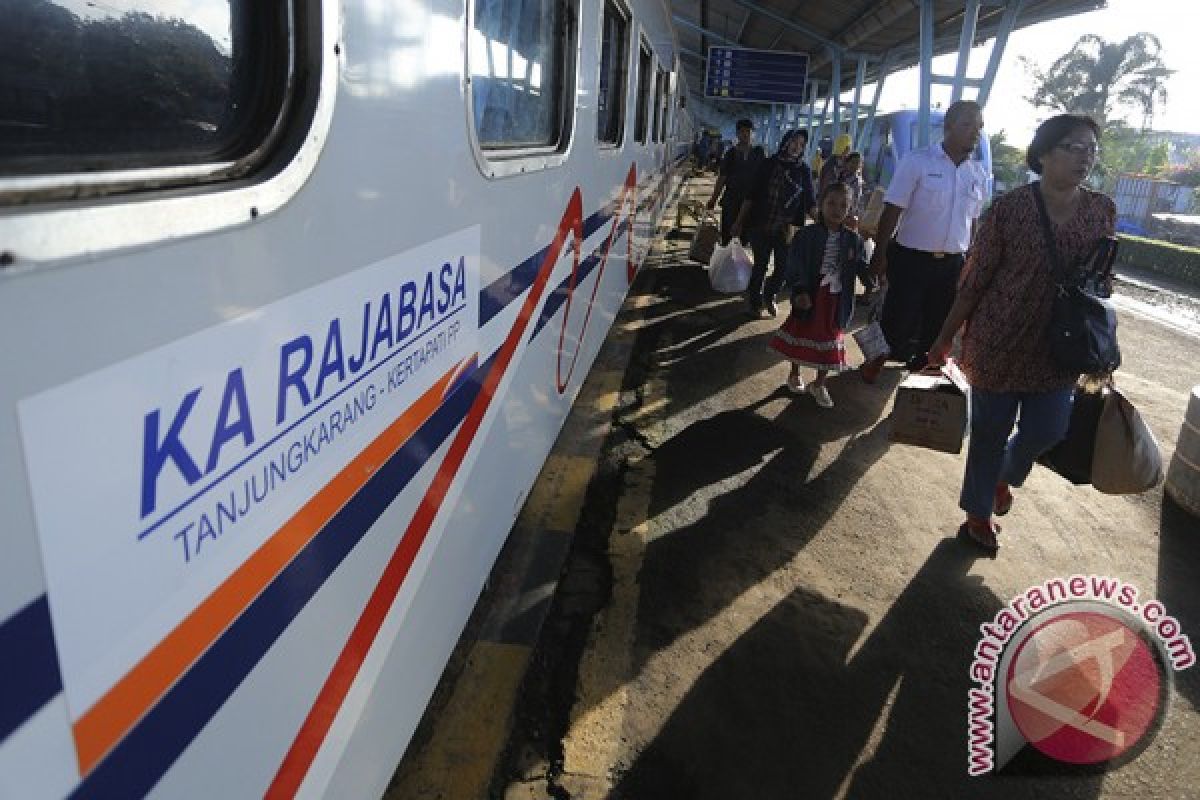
pixel 821 395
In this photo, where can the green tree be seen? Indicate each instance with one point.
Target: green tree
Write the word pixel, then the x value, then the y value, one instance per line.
pixel 1008 162
pixel 1187 174
pixel 1125 149
pixel 1095 76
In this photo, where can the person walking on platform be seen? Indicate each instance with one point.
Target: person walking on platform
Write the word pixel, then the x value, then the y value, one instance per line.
pixel 700 150
pixel 739 166
pixel 1005 299
pixel 851 175
pixel 847 169
pixel 833 169
pixel 823 262
pixel 935 196
pixel 781 198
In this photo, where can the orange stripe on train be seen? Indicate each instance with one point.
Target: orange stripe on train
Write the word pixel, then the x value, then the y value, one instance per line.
pixel 114 714
pixel 341 677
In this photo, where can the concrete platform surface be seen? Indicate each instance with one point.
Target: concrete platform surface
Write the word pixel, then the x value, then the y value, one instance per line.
pixel 766 599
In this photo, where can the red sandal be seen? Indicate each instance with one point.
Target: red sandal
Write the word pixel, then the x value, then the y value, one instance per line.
pixel 981 534
pixel 1004 500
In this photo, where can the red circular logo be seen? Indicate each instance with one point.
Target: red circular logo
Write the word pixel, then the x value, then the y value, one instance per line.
pixel 1084 688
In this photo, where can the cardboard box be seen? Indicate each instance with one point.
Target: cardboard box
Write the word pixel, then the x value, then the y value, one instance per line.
pixel 931 410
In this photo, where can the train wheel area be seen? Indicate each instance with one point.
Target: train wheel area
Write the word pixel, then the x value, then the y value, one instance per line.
pixel 765 598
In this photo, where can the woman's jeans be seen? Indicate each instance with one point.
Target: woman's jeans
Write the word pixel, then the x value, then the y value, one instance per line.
pixel 993 456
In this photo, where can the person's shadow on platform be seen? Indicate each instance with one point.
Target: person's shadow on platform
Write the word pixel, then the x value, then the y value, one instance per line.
pixel 691 338
pixel 1179 584
pixel 803 706
pixel 712 542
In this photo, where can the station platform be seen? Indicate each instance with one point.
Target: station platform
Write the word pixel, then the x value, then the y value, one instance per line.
pixel 718 589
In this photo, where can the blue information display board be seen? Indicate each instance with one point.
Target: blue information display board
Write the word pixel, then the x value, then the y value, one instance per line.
pixel 755 76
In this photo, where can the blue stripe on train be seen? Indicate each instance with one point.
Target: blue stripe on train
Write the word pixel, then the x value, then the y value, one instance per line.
pixel 29 682
pixel 559 296
pixel 140 760
pixel 30 677
pixel 508 287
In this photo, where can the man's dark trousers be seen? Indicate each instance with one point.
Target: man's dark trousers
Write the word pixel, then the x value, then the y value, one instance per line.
pixel 729 215
pixel 921 290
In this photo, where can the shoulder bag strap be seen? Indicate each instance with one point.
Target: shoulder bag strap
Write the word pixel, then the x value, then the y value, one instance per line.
pixel 1060 273
pixel 1101 257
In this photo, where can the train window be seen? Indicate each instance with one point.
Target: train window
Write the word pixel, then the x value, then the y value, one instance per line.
pixel 665 104
pixel 657 132
pixel 89 87
pixel 884 144
pixel 643 94
pixel 614 57
pixel 518 53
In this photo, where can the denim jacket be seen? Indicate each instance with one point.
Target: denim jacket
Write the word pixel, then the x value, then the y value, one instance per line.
pixel 804 266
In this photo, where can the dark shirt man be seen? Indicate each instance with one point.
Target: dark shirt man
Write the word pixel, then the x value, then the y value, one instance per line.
pixel 739 166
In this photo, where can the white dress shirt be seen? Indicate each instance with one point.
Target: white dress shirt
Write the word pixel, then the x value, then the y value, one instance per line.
pixel 939 200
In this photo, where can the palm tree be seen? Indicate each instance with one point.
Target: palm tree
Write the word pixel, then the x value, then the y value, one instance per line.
pixel 1095 75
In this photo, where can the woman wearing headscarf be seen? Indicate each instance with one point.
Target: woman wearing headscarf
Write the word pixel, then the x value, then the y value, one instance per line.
pixel 779 200
pixel 1005 295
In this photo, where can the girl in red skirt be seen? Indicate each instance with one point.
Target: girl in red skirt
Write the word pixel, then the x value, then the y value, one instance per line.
pixel 823 262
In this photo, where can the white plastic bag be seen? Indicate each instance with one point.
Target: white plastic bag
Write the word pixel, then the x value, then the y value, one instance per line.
pixel 730 267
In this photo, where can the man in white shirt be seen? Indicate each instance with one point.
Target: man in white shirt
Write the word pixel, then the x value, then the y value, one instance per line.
pixel 935 196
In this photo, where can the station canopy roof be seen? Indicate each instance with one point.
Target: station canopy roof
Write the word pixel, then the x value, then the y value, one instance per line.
pixel 856 27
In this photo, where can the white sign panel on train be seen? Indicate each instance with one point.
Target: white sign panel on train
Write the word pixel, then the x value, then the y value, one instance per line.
pixel 156 479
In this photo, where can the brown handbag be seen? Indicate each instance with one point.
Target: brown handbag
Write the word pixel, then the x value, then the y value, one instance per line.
pixel 704 239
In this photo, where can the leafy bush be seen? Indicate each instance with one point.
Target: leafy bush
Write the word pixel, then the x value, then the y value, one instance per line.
pixel 1163 257
pixel 1186 174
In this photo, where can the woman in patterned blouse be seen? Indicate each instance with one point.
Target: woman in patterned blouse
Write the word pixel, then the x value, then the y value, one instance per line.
pixel 1004 298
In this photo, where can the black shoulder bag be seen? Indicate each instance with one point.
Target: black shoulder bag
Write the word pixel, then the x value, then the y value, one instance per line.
pixel 1083 327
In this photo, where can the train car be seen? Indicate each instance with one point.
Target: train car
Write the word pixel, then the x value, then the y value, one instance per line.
pixel 295 298
pixel 894 135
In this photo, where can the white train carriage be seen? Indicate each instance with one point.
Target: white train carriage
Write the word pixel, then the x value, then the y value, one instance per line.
pixel 295 298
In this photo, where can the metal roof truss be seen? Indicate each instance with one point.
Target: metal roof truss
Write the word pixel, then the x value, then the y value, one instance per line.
pixel 876 36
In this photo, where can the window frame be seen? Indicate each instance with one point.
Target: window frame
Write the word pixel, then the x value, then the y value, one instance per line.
pixel 503 162
pixel 71 215
pixel 82 182
pixel 672 112
pixel 621 106
pixel 664 123
pixel 659 80
pixel 645 66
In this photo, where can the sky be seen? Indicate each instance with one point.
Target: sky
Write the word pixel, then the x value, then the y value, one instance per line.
pixel 1169 20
